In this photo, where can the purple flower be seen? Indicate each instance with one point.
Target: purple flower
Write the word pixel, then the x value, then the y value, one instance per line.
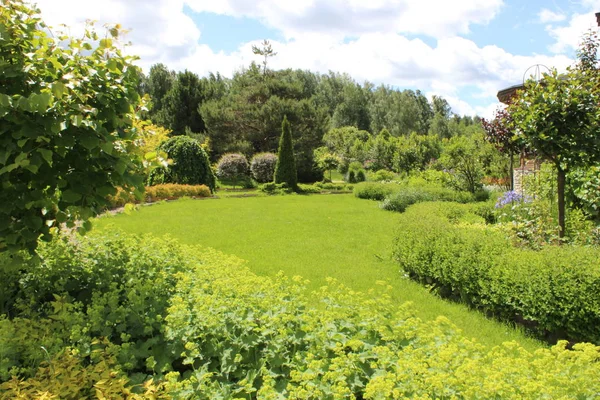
pixel 511 197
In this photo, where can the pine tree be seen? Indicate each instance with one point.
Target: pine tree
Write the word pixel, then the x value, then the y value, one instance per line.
pixel 285 170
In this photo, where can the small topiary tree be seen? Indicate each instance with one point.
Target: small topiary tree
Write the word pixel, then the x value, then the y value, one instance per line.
pixel 328 162
pixel 263 167
pixel 190 164
pixel 233 167
pixel 285 169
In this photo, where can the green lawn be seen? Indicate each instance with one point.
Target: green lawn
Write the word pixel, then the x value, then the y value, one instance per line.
pixel 314 236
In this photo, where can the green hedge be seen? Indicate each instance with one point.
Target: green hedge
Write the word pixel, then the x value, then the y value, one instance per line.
pixel 552 292
pixel 397 197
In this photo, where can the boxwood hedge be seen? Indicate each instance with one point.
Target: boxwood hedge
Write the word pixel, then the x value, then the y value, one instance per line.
pixel 553 292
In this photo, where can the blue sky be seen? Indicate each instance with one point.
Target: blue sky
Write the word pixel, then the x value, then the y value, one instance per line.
pixel 464 50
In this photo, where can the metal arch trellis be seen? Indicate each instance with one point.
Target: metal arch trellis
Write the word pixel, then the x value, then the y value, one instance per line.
pixel 538 71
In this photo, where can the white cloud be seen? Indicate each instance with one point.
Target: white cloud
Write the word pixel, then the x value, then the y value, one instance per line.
pixel 159 29
pixel 162 32
pixel 546 16
pixel 353 17
pixel 567 37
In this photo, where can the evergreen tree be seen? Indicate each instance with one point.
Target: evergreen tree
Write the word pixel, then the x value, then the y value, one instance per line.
pixel 285 170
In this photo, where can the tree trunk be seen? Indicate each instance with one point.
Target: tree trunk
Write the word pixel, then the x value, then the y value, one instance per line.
pixel 512 171
pixel 561 200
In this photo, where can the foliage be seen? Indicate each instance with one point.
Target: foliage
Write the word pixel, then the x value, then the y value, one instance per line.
pixel 464 156
pixel 409 195
pixel 233 167
pixel 167 191
pixel 328 162
pixel 582 190
pixel 247 118
pixel 374 191
pixel 382 175
pixel 262 166
pixel 157 85
pixel 356 173
pixel 559 118
pixel 73 293
pixel 230 333
pixel 266 50
pixel 68 376
pixel 190 164
pixel 65 137
pixel 285 169
pixel 552 292
pixel 275 188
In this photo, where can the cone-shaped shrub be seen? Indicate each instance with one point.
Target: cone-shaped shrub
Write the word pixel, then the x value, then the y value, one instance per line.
pixel 285 169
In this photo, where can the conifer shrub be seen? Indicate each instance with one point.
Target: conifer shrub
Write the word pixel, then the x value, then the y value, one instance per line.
pixel 262 166
pixel 233 167
pixel 190 166
pixel 285 169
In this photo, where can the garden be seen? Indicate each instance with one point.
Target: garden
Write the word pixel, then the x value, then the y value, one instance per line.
pixel 154 251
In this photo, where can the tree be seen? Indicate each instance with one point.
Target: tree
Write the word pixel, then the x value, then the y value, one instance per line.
pixel 559 117
pixel 328 162
pixel 285 169
pixel 158 83
pixel 181 104
pixel 233 167
pixel 500 132
pixel 266 50
pixel 463 155
pixel 262 166
pixel 66 142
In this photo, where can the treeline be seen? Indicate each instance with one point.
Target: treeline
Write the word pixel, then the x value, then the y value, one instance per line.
pixel 243 114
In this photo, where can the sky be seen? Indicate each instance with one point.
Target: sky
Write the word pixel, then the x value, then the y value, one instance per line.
pixel 463 50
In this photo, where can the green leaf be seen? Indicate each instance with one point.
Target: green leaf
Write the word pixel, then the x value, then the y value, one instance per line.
pixel 105 43
pixel 47 155
pixel 5 100
pixel 89 141
pixel 58 89
pixel 76 120
pixel 69 196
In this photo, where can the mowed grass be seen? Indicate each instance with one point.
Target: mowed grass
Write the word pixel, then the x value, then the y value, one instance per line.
pixel 316 237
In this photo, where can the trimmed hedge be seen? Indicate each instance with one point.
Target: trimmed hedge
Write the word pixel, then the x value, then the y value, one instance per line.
pixel 374 191
pixel 396 197
pixel 168 191
pixel 115 311
pixel 552 292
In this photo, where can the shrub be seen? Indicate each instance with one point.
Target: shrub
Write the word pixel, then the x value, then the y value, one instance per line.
pixel 360 176
pixel 233 167
pixel 409 195
pixel 263 167
pixel 213 329
pixel 553 292
pixel 79 290
pixel 374 191
pixel 382 175
pixel 168 191
pixel 308 189
pixel 285 169
pixel 190 164
pixel 275 188
pixel 351 177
